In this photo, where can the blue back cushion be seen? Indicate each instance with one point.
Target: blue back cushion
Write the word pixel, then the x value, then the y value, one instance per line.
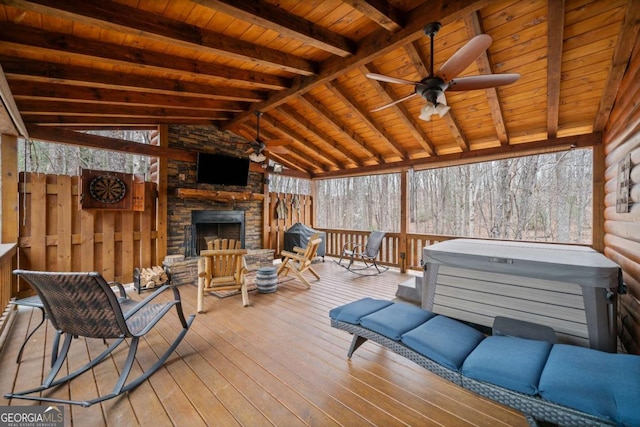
pixel 510 362
pixel 352 312
pixel 603 384
pixel 443 340
pixel 395 320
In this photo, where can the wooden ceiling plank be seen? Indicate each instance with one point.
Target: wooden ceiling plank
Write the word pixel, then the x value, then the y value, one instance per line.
pixel 49 72
pixel 474 28
pixel 626 40
pixel 26 38
pixel 118 17
pixel 338 125
pixel 294 116
pixel 266 15
pixel 378 43
pixel 367 118
pixel 381 12
pixel 104 143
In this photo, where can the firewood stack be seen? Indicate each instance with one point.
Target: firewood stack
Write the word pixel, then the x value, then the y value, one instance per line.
pixel 149 278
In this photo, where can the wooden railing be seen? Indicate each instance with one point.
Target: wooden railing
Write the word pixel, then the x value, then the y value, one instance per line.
pixel 390 251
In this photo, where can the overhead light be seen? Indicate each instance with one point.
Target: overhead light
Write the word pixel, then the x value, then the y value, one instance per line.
pixel 277 168
pixel 439 107
pixel 257 157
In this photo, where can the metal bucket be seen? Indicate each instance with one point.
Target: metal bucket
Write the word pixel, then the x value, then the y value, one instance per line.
pixel 267 280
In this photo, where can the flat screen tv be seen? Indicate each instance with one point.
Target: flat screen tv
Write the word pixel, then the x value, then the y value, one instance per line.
pixel 222 170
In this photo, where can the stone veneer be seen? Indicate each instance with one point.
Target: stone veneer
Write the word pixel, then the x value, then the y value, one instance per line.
pixel 182 174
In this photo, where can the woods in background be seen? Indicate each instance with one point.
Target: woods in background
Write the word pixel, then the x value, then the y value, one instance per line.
pixel 538 198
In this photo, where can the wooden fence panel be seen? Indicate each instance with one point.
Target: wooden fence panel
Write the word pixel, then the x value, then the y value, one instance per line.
pixel 285 210
pixel 55 235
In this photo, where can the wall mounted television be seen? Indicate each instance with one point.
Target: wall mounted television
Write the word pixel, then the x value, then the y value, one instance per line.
pixel 222 170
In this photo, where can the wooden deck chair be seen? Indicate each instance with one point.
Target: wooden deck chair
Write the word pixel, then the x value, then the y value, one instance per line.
pixel 84 305
pixel 217 244
pixel 366 253
pixel 299 261
pixel 220 270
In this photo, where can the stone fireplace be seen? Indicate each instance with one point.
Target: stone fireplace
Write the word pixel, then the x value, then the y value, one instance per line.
pixel 213 224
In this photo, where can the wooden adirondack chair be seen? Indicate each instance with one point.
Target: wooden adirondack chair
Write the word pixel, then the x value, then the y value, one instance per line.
pixel 221 269
pixel 299 261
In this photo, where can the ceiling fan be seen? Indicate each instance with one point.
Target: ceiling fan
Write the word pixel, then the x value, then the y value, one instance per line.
pixel 432 87
pixel 259 146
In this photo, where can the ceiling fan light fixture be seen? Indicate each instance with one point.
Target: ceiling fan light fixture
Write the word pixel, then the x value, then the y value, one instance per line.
pixel 427 111
pixel 257 157
pixel 442 109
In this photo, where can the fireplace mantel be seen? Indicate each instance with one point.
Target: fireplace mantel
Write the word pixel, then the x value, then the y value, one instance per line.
pixel 217 195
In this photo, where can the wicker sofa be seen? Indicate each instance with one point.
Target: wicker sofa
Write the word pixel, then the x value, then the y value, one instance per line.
pixel 558 383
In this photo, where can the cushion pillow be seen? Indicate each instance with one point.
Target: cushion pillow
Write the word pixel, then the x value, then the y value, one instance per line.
pixel 510 362
pixel 443 340
pixel 395 320
pixel 603 384
pixel 353 311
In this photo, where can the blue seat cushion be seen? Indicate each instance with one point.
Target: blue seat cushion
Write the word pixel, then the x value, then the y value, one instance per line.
pixel 395 320
pixel 352 312
pixel 603 384
pixel 510 362
pixel 443 340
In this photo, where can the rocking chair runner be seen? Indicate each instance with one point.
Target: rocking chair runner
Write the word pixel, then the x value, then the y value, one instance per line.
pixel 365 253
pixel 84 305
pixel 299 261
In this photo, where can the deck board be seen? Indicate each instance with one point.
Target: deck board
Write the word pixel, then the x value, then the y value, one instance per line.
pixel 277 362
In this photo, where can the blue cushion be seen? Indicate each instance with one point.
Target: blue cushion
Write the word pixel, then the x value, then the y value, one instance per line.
pixel 443 340
pixel 603 384
pixel 510 362
pixel 395 320
pixel 352 312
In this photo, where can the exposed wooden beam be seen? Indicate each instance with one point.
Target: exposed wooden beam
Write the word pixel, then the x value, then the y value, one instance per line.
pixel 101 142
pixel 324 139
pixel 627 39
pixel 367 118
pixel 474 28
pixel 10 120
pixel 35 41
pixel 378 43
pixel 49 72
pixel 555 39
pixel 106 121
pixel 266 15
pixel 33 90
pixel 338 125
pixel 381 12
pixel 496 153
pixel 114 16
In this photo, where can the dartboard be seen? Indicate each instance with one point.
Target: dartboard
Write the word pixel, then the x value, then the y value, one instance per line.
pixel 107 189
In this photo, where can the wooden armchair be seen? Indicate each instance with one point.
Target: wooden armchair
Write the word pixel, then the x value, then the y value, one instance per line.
pixel 221 269
pixel 300 260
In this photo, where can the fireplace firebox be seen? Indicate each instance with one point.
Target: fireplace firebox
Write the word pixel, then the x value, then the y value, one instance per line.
pixel 209 224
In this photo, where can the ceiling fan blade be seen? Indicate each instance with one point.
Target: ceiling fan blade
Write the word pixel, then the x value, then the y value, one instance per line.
pixel 482 82
pixel 277 143
pixel 397 101
pixel 388 79
pixel 277 150
pixel 464 57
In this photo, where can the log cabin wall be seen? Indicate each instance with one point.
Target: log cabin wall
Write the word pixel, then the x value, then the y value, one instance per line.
pixel 55 235
pixel 182 175
pixel 622 230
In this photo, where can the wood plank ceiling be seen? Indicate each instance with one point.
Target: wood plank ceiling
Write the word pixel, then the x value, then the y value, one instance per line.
pixel 81 64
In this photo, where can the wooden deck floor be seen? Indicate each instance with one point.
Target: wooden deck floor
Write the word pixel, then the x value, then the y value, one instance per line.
pixel 275 363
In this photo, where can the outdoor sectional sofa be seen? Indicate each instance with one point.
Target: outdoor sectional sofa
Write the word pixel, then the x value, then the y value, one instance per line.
pixel 558 383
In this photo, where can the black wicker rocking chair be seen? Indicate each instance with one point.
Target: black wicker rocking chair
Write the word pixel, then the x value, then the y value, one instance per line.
pixel 366 253
pixel 84 305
